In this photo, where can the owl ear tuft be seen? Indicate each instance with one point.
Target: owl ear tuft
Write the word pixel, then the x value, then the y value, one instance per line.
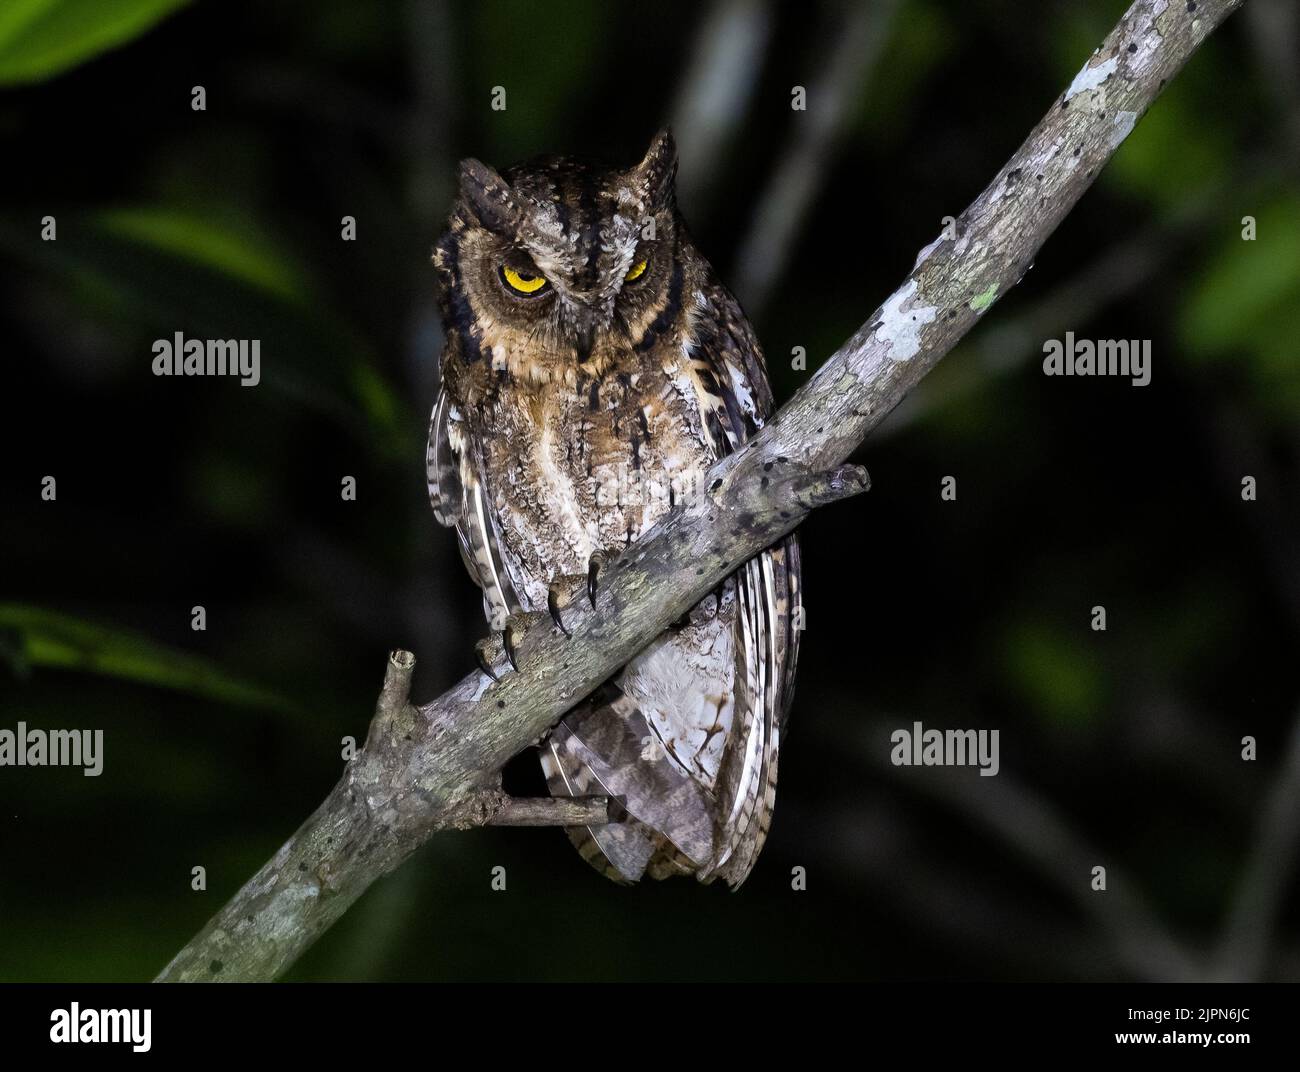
pixel 489 198
pixel 656 176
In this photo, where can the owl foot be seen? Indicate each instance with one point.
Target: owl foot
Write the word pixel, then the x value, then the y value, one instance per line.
pixel 489 650
pixel 483 652
pixel 515 631
pixel 563 590
pixel 553 605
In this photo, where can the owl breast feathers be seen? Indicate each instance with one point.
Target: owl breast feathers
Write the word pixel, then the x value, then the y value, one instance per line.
pixel 594 369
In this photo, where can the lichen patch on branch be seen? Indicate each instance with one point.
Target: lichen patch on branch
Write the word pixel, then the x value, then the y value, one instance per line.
pixel 1124 124
pixel 1091 76
pixel 901 323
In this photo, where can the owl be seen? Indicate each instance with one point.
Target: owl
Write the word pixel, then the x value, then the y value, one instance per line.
pixel 594 369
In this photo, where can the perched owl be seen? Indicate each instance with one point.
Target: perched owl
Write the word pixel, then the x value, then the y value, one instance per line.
pixel 594 369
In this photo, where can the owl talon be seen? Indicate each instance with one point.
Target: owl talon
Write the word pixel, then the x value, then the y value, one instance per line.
pixel 484 657
pixel 553 605
pixel 593 571
pixel 508 642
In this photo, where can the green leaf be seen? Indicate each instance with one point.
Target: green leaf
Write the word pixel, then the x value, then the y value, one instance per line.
pixel 47 638
pixel 383 407
pixel 138 269
pixel 42 38
pixel 229 247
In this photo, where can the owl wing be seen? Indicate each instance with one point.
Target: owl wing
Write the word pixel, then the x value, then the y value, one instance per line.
pixel 459 501
pixel 736 399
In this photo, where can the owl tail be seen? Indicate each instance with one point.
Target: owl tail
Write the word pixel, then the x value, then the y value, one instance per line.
pixel 605 747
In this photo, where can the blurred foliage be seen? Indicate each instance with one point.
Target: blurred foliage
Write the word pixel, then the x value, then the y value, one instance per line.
pixel 41 638
pixel 226 223
pixel 1051 673
pixel 1243 310
pixel 232 247
pixel 42 38
pixel 920 41
pixel 502 46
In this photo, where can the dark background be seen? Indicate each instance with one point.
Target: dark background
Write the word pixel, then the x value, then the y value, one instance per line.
pixel 1119 748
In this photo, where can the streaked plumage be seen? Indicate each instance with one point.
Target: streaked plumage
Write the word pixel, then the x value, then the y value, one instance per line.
pixel 573 414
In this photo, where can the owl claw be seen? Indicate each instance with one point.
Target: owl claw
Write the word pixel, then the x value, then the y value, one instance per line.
pixel 553 605
pixel 508 642
pixel 485 659
pixel 593 571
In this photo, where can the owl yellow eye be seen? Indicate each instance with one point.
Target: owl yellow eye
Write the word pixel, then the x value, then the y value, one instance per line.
pixel 523 282
pixel 637 271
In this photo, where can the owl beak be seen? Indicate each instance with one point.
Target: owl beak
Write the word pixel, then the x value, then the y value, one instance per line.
pixel 583 340
pixel 584 320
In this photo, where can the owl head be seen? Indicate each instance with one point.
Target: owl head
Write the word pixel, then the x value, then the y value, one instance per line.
pixel 554 261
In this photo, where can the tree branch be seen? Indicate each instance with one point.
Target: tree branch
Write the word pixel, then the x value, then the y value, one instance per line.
pixel 433 767
pixel 553 811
